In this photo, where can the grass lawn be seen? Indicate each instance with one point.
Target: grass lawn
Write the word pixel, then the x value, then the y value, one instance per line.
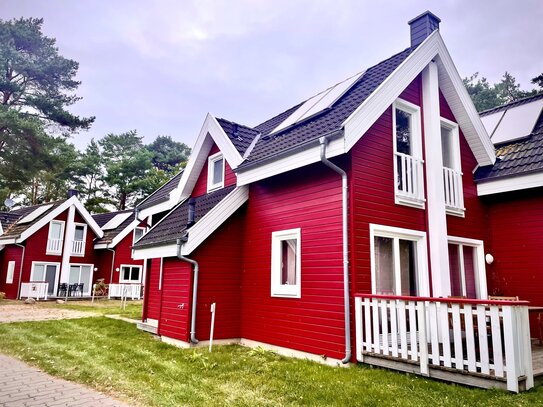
pixel 116 358
pixel 100 306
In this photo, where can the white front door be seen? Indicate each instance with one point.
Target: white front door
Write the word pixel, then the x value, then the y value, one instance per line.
pixel 81 274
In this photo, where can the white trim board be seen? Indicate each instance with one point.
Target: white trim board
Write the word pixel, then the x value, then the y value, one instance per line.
pixel 515 183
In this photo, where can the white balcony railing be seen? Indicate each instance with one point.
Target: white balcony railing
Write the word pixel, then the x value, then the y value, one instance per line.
pixel 78 247
pixel 125 290
pixel 409 182
pixel 489 339
pixel 54 246
pixel 454 197
pixel 37 290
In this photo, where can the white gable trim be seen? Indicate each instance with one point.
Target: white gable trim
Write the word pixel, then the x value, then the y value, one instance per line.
pixel 215 218
pixel 450 85
pixel 211 132
pixel 120 236
pixel 54 213
pixel 161 207
pixel 156 252
pixel 515 183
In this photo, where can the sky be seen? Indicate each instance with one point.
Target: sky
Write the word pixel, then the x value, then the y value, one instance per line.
pixel 159 66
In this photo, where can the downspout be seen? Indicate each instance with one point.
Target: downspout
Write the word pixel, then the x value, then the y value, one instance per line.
pixel 196 268
pixel 346 296
pixel 20 270
pixel 112 264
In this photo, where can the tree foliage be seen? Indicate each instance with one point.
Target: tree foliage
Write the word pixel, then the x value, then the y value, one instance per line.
pixel 486 96
pixel 168 154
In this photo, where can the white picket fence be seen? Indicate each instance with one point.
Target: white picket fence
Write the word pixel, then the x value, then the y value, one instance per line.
pixel 36 289
pixel 489 338
pixel 125 290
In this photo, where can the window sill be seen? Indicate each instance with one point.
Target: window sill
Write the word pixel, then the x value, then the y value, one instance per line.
pixel 286 295
pixel 53 253
pixel 413 203
pixel 214 188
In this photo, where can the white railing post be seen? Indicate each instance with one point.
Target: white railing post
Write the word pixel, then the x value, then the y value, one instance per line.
pixel 359 327
pixel 423 344
pixel 525 345
pixel 510 336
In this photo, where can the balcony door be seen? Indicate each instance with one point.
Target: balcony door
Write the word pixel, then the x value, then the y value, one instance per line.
pixel 45 272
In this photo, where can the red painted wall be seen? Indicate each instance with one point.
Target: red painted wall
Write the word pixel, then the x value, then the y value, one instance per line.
pixel 10 253
pixel 200 188
pixel 152 292
pixel 516 225
pixel 310 199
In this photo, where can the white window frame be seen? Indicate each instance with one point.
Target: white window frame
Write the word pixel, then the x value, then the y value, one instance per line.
pixel 457 160
pixel 89 288
pixel 416 129
pixel 45 263
pixel 62 230
pixel 10 273
pixel 395 233
pixel 278 289
pixel 84 240
pixel 480 270
pixel 134 233
pixel 212 159
pixel 121 278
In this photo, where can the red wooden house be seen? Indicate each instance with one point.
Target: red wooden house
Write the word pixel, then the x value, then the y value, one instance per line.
pixel 113 252
pixel 47 250
pixel 347 228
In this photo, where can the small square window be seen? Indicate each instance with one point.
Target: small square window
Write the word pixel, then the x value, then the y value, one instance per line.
pixel 138 233
pixel 286 264
pixel 215 172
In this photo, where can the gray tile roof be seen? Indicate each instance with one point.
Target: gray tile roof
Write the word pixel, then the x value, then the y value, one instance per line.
pixel 518 157
pixel 241 136
pixel 174 225
pixel 327 121
pixel 162 194
pixel 102 218
pixel 9 220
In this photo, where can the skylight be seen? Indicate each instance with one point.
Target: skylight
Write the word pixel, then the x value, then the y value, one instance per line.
pixel 319 102
pixel 515 123
pixel 35 213
pixel 115 221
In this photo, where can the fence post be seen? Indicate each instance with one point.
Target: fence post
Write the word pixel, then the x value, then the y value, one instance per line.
pixel 358 324
pixel 423 344
pixel 511 345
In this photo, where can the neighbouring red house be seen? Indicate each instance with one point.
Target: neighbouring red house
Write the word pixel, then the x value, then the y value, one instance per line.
pixel 113 252
pixel 348 228
pixel 513 191
pixel 47 250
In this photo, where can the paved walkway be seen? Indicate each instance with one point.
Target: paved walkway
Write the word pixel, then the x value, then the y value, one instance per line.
pixel 22 385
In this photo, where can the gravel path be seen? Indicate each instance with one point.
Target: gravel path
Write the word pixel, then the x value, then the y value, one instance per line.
pixel 28 312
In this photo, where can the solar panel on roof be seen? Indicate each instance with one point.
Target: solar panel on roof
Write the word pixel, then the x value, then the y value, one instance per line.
pixel 319 102
pixel 491 121
pixel 35 213
pixel 517 122
pixel 114 222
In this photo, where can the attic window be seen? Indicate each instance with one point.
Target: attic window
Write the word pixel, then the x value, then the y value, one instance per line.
pixel 215 172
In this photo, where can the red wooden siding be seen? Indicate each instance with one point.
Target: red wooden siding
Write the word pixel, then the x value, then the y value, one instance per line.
pixel 475 223
pixel 310 199
pixel 220 260
pixel 516 225
pixel 10 253
pixel 372 180
pixel 175 299
pixel 200 188
pixel 152 299
pixel 102 261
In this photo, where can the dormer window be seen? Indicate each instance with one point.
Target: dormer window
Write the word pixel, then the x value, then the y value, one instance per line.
pixel 215 172
pixel 78 244
pixel 452 168
pixel 138 233
pixel 408 163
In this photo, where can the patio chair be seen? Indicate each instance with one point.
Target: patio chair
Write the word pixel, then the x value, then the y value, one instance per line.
pixel 62 289
pixel 80 289
pixel 72 289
